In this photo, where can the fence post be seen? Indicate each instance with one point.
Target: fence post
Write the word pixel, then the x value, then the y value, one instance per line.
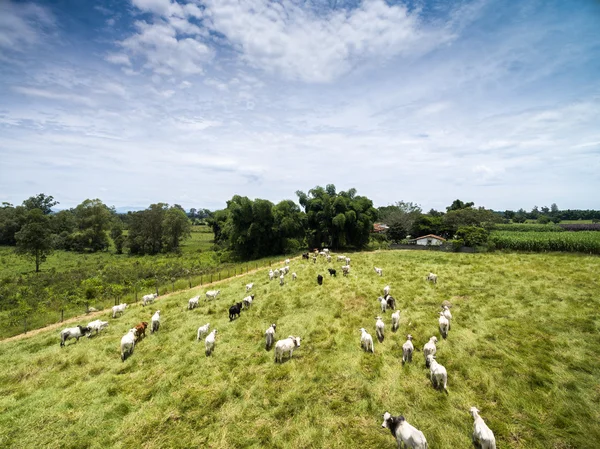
pixel 190 281
pixel 201 277
pixel 25 325
pixel 211 278
pixel 62 315
pixel 219 274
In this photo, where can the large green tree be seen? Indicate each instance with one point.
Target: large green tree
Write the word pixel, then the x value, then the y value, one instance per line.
pixel 93 222
pixel 41 202
pixel 337 219
pixel 400 218
pixel 35 239
pixel 176 227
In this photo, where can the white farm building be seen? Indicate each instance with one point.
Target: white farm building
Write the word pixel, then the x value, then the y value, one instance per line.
pixel 428 239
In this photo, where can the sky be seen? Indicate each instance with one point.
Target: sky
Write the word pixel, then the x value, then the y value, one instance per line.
pixel 191 102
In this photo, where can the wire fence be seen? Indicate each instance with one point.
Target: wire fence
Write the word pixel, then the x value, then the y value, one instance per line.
pixel 130 294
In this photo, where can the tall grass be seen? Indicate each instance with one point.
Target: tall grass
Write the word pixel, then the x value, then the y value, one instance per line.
pixel 583 241
pixel 523 348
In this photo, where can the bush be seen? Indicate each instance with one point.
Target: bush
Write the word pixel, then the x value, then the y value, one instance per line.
pixel 473 235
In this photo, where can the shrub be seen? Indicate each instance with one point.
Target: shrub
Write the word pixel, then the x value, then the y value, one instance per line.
pixel 473 235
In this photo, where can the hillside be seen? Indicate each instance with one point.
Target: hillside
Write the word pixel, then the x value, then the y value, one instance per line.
pixel 523 348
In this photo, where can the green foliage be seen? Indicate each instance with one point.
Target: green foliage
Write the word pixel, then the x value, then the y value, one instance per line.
pixel 473 235
pixel 459 205
pixel 543 219
pixel 337 220
pixel 583 241
pixel 41 202
pixel 34 239
pixel 521 349
pixel 400 218
pixel 158 228
pixel 93 221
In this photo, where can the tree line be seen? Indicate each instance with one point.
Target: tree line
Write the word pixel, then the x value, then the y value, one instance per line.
pixel 35 231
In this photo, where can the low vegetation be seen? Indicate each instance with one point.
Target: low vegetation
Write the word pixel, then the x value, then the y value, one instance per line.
pixel 522 349
pixel 583 241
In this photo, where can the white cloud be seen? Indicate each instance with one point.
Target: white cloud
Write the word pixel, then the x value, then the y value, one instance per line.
pixel 50 95
pixel 23 25
pixel 286 38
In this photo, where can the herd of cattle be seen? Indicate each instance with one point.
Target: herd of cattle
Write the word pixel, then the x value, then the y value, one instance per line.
pixel 406 435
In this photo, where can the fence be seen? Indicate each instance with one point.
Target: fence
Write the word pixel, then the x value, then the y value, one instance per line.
pixel 463 249
pixel 131 295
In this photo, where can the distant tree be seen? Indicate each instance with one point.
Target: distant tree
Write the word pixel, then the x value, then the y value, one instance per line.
pixel 470 216
pixel 434 213
pixel 35 239
pixel 509 214
pixel 11 220
pixel 192 213
pixel 535 213
pixel 116 234
pixel 554 208
pixel 543 219
pixel 289 227
pixel 146 230
pixel 458 205
pixel 545 210
pixel 176 227
pixel 520 216
pixel 93 221
pixel 42 202
pixel 178 206
pixel 400 218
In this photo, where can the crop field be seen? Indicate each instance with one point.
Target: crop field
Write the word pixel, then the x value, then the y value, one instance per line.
pixel 581 241
pixel 523 347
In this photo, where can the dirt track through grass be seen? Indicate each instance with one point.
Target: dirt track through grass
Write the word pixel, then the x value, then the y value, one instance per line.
pixel 523 348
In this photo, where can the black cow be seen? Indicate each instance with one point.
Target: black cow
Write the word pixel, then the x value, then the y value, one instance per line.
pixel 332 272
pixel 391 302
pixel 234 310
pixel 305 256
pixel 320 280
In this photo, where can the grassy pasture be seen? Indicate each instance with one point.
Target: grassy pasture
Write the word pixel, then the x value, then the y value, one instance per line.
pixel 523 348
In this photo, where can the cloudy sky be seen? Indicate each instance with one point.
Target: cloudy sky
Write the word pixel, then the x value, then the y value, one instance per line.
pixel 190 102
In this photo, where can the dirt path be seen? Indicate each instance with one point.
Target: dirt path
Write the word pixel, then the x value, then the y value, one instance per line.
pixel 94 315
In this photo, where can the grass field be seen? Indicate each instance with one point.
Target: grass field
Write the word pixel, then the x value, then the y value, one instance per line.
pixel 11 264
pixel 523 348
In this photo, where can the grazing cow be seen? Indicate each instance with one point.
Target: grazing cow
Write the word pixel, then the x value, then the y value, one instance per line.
pixel 118 309
pixel 483 437
pixel 140 330
pixel 346 269
pixel 193 302
pixel 247 301
pixel 332 272
pixel 249 286
pixel 149 299
pixel 155 322
pixel 294 276
pixel 431 278
pixel 285 346
pixel 391 302
pixel 209 342
pixel 202 330
pixel 320 280
pixel 234 310
pixel 127 344
pixel 407 350
pixel 305 256
pixel 97 326
pixel 72 332
pixel 270 336
pixel 404 433
pixel 212 294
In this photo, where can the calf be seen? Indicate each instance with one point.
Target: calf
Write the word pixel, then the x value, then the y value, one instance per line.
pixel 407 350
pixel 212 294
pixel 209 342
pixel 305 256
pixel 234 310
pixel 202 330
pixel 483 437
pixel 72 332
pixel 391 301
pixel 332 272
pixel 320 280
pixel 249 286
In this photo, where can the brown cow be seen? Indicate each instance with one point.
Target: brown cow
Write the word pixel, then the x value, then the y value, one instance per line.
pixel 140 329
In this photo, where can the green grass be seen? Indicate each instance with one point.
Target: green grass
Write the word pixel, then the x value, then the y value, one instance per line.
pixel 523 348
pixel 11 264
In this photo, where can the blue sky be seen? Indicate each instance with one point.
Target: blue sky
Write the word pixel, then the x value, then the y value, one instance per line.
pixel 141 101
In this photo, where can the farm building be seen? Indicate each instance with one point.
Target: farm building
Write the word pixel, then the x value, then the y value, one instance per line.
pixel 428 239
pixel 380 228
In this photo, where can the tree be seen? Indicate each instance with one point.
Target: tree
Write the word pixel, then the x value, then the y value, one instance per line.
pixel 34 239
pixel 93 221
pixel 176 227
pixel 473 235
pixel 11 220
pixel 400 218
pixel 458 205
pixel 520 216
pixel 42 202
pixel 337 219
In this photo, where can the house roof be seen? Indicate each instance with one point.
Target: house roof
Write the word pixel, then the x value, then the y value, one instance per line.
pixel 430 236
pixel 380 227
